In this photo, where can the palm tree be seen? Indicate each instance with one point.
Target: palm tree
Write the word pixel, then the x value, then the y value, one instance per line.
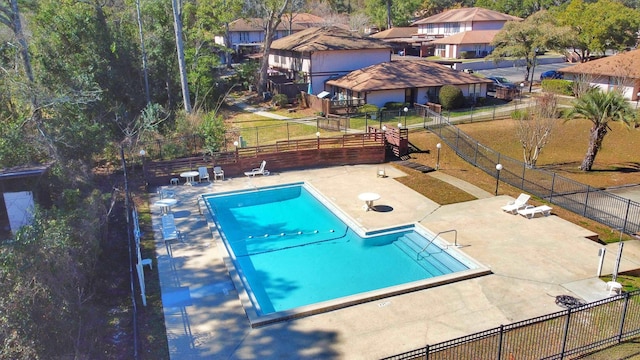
pixel 600 108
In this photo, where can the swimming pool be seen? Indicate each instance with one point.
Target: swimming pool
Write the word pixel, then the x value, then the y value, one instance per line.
pixel 292 253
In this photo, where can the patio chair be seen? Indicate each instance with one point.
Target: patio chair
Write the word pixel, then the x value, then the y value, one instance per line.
pixel 530 211
pixel 203 173
pixel 258 171
pixel 218 173
pixel 513 206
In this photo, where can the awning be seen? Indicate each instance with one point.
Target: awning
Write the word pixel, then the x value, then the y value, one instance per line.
pixel 323 94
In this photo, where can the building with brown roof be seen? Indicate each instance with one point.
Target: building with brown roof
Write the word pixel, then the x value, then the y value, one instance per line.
pixel 400 39
pixel 406 81
pixel 456 21
pixel 617 71
pixel 317 54
pixel 465 45
pixel 247 35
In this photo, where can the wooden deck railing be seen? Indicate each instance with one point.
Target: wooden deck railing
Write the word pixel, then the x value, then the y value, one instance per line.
pixel 363 148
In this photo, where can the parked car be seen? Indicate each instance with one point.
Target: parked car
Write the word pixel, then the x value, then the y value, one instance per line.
pixel 551 74
pixel 500 82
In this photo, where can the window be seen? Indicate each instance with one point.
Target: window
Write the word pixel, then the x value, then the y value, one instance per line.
pixel 429 29
pixel 452 28
pixel 474 91
pixel 244 36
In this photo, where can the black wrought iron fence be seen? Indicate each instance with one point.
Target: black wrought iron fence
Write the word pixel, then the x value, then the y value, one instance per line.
pixel 599 205
pixel 562 335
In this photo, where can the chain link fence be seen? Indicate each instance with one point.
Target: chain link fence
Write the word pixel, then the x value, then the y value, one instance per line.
pixel 596 204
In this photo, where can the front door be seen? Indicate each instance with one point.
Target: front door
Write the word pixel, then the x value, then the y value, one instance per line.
pixel 410 96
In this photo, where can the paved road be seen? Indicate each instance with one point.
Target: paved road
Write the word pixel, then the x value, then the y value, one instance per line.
pixel 516 73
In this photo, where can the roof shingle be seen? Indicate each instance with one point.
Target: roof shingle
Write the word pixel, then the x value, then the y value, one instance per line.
pixel 404 74
pixel 326 38
pixel 474 14
pixel 626 64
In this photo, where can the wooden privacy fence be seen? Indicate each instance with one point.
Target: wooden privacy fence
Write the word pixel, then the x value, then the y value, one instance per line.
pixel 350 149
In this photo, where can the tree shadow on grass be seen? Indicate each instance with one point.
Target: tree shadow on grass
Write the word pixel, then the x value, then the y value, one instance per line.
pixel 574 167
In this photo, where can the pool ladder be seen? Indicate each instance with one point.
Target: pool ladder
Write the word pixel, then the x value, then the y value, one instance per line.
pixel 455 243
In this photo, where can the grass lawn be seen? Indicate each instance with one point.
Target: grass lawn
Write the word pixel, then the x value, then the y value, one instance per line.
pixel 500 135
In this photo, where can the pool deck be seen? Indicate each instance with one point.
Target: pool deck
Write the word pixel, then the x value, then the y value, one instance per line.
pixel 532 260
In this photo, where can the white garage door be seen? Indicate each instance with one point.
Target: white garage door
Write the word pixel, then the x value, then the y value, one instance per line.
pixel 19 208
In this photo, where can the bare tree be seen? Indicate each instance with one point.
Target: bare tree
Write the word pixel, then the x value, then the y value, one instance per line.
pixel 534 128
pixel 10 16
pixel 271 12
pixel 177 26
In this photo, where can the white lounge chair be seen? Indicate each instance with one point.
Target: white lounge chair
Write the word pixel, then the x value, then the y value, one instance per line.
pixel 218 173
pixel 517 204
pixel 258 171
pixel 169 230
pixel 203 173
pixel 530 211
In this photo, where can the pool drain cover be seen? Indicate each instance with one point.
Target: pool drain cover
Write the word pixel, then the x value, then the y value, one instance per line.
pixel 567 301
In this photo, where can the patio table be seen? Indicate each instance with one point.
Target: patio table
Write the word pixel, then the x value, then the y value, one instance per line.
pixel 368 199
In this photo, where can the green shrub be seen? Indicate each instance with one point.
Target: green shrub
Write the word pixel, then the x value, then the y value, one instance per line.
pixel 467 54
pixel 520 114
pixel 367 108
pixel 558 86
pixel 395 105
pixel 280 100
pixel 481 101
pixel 451 97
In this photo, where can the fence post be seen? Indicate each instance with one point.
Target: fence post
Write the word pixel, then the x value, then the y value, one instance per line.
pixel 471 114
pixel 566 334
pixel 494 112
pixel 586 202
pixel 475 155
pixel 426 352
pixel 500 338
pixel 626 215
pixel 524 172
pixel 159 148
pixel 623 316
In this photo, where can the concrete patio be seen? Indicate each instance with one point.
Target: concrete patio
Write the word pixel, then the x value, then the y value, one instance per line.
pixel 532 261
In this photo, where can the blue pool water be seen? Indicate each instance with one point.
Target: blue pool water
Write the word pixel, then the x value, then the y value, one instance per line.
pixel 291 250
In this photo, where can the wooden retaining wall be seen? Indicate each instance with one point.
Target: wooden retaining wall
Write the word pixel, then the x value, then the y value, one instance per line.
pixel 368 148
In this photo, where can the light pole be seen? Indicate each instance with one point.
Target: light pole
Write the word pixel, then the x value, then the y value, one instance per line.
pixel 498 168
pixel 521 89
pixel 438 146
pixel 318 137
pixel 142 154
pixel 406 109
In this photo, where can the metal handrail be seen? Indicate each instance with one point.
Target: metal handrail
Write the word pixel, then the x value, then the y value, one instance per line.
pixel 455 242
